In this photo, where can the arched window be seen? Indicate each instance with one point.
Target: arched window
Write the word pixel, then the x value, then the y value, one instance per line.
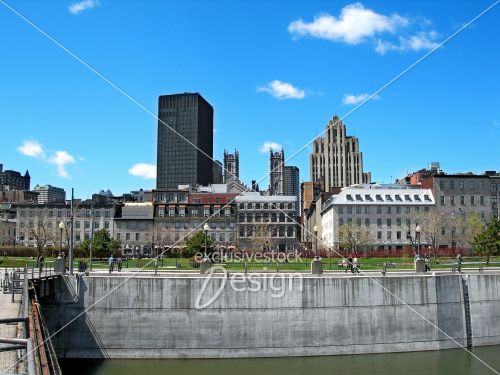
pixel 257 206
pixel 282 218
pixel 289 231
pixel 290 206
pixel 242 206
pixel 282 206
pixel 266 206
pixel 249 206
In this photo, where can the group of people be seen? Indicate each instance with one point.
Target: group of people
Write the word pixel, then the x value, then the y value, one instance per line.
pixel 111 262
pixel 350 264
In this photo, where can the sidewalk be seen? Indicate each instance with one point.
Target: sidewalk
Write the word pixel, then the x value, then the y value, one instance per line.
pixel 8 310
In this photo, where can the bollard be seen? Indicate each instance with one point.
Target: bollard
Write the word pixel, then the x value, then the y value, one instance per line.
pixel 204 266
pixel 384 269
pixel 316 266
pixel 420 265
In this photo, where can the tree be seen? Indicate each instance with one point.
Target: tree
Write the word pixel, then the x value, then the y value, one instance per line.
pixel 431 224
pixel 38 227
pixel 487 242
pixel 196 244
pixel 101 243
pixel 352 236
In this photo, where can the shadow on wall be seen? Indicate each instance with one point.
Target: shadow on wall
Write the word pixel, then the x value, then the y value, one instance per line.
pixel 59 311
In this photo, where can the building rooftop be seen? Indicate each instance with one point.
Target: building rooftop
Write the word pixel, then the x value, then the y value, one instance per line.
pixel 382 195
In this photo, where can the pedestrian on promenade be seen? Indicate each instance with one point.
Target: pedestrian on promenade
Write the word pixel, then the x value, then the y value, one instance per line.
pixel 427 264
pixel 355 265
pixel 40 263
pixel 459 262
pixel 119 263
pixel 350 264
pixel 111 263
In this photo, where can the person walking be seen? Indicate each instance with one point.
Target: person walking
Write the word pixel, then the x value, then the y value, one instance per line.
pixel 349 263
pixel 111 263
pixel 355 265
pixel 459 262
pixel 427 264
pixel 119 263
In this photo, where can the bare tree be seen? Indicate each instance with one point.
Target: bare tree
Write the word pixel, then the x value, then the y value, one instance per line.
pixel 431 224
pixel 38 227
pixel 352 236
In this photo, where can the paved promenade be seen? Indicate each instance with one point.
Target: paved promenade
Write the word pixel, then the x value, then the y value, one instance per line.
pixel 8 310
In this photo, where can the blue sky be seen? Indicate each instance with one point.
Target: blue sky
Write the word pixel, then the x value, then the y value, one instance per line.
pixel 275 72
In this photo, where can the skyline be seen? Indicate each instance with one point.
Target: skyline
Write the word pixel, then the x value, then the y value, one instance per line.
pixel 288 107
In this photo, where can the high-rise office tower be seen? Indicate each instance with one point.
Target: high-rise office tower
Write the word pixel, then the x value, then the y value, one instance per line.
pixel 336 160
pixel 292 185
pixel 185 146
pixel 231 166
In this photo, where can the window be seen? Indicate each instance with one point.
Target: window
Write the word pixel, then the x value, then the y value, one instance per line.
pixel 206 211
pixel 416 198
pixel 77 224
pixel 389 222
pixel 452 184
pixel 471 184
pixel 359 198
pixel 389 210
pixel 441 185
pixel 398 198
pixel 481 200
pixel 87 213
pixel 452 200
pixel 107 214
pixel 398 235
pixel 59 213
pixel 427 198
pixel 341 221
pixel 341 210
pixel 461 185
pixel 349 197
pixel 368 198
pixel 379 222
pixel 349 209
pixel 367 222
pixel 379 210
pixel 398 222
pixel 87 224
pixel 407 210
pixel 161 212
pixel 97 213
pixel 443 231
pixel 137 236
pixel 378 197
pixel 182 211
pixel 118 235
pixel 242 206
pixel 106 225
pixel 96 225
pixel 358 209
pixel 389 235
pixel 407 198
pixel 358 222
pixel 462 200
pixel 367 210
pixel 472 200
pixel 127 236
pixel 379 235
pixel 398 210
pixel 388 198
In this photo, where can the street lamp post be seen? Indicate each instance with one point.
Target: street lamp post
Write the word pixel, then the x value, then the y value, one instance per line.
pixel 417 238
pixel 61 228
pixel 206 228
pixel 315 229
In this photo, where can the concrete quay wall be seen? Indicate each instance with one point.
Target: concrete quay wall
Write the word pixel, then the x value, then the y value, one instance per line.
pixel 156 317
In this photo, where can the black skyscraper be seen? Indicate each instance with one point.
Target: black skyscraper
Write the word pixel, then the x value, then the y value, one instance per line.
pixel 179 161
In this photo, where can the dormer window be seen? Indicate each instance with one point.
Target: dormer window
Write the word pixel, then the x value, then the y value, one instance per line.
pixel 349 197
pixel 407 198
pixel 359 198
pixel 378 197
pixel 398 198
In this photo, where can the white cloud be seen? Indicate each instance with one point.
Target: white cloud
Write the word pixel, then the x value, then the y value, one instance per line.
pixel 353 26
pixel 355 99
pixel 146 171
pixel 31 148
pixel 424 40
pixel 79 7
pixel 266 146
pixel 60 159
pixel 282 90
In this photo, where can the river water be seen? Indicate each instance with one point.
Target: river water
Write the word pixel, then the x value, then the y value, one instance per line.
pixel 453 362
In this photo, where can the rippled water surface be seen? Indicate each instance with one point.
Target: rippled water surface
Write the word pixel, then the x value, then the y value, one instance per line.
pixel 456 361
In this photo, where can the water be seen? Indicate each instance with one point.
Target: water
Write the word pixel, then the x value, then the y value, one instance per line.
pixel 453 362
